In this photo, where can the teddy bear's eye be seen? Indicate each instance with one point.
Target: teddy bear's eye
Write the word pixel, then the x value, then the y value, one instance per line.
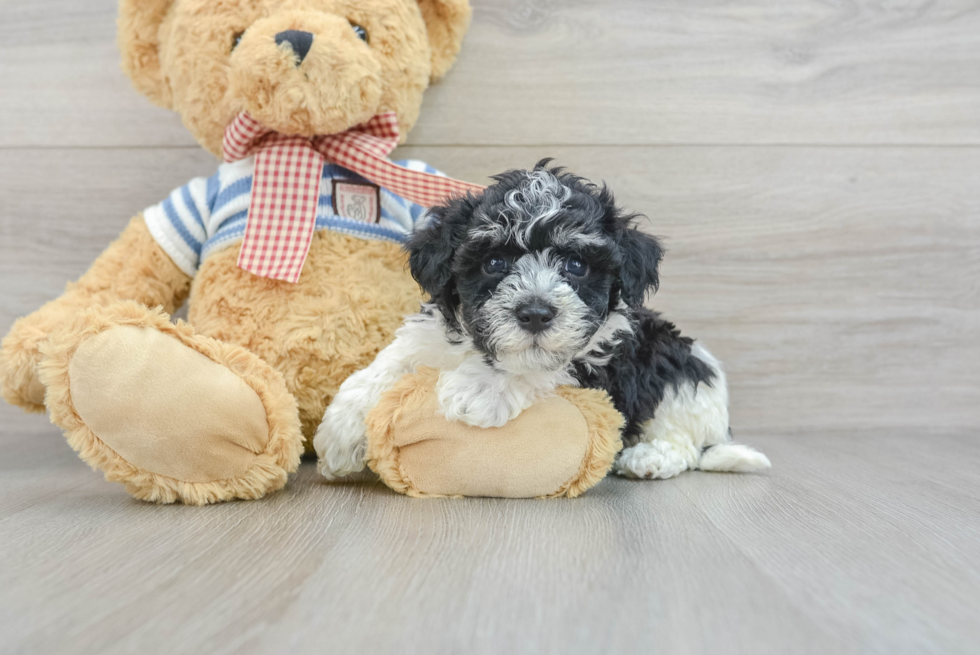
pixel 236 39
pixel 359 31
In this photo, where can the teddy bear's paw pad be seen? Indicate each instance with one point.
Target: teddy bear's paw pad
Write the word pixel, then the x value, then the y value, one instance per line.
pixel 166 408
pixel 656 460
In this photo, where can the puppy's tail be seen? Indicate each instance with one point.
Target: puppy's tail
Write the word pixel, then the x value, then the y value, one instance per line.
pixel 733 457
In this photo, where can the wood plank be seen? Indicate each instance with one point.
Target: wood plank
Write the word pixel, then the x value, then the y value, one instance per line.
pixel 878 546
pixel 580 72
pixel 629 565
pixel 824 554
pixel 62 84
pixel 838 285
pixel 664 72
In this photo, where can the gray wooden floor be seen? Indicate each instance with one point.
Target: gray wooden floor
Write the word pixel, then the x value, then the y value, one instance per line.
pixel 816 168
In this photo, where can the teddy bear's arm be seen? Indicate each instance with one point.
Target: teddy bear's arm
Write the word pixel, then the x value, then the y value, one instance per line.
pixel 134 267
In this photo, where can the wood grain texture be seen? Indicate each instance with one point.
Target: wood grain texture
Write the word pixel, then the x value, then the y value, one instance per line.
pixel 582 72
pixel 813 165
pixel 828 553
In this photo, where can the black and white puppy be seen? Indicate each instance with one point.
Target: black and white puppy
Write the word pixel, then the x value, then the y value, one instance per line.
pixel 539 282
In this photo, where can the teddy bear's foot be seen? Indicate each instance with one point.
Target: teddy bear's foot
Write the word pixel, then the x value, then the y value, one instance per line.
pixel 560 446
pixel 173 415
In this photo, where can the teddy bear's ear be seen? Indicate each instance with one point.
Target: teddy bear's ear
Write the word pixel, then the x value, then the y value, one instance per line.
pixel 138 29
pixel 446 22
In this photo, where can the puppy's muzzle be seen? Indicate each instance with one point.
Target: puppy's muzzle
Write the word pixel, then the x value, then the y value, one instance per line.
pixel 535 317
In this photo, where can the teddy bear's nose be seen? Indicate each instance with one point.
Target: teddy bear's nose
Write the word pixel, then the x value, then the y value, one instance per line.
pixel 300 42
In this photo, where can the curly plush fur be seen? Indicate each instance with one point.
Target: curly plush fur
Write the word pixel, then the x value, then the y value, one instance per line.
pixel 347 305
pixel 209 61
pixel 133 267
pixel 267 471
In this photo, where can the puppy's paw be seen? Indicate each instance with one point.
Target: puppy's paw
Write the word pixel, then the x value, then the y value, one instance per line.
pixel 340 441
pixel 650 461
pixel 475 400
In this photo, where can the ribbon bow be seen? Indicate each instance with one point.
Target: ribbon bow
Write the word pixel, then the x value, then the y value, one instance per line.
pixel 286 185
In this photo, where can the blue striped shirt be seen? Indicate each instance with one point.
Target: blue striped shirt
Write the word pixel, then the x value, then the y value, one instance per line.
pixel 208 214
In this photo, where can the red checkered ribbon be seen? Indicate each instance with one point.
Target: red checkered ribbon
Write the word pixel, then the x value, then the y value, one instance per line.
pixel 286 185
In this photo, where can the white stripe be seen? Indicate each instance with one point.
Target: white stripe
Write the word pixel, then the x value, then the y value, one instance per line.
pixel 186 216
pixel 166 236
pixel 401 216
pixel 198 188
pixel 230 173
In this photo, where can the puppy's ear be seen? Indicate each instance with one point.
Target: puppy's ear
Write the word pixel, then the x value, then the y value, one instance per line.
pixel 641 263
pixel 432 246
pixel 641 252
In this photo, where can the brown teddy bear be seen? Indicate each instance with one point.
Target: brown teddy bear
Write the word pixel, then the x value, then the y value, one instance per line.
pixel 219 410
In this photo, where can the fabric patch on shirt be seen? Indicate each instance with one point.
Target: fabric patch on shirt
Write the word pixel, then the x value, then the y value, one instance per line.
pixel 359 201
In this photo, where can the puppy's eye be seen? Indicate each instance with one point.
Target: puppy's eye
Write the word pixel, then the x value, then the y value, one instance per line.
pixel 236 38
pixel 576 267
pixel 359 31
pixel 494 266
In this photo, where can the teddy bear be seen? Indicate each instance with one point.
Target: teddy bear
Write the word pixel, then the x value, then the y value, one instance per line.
pixel 290 256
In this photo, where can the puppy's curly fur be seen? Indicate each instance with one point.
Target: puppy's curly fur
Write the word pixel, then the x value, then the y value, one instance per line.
pixel 539 282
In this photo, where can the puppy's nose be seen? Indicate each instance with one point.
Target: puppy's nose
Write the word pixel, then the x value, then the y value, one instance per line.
pixel 535 316
pixel 300 42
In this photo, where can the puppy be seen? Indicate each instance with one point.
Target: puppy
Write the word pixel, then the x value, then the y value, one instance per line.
pixel 535 283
